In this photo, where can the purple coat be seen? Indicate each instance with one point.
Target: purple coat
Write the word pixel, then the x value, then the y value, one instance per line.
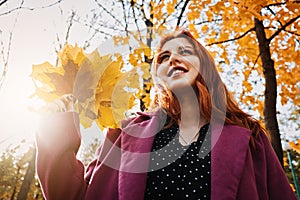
pixel 119 172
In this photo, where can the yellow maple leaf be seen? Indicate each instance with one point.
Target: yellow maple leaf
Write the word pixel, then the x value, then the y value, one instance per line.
pixel 86 84
pixel 58 80
pixel 107 86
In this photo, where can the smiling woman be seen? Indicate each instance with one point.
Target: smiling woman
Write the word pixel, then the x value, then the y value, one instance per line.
pixel 182 148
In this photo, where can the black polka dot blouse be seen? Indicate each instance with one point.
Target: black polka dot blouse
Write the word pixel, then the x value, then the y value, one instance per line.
pixel 177 171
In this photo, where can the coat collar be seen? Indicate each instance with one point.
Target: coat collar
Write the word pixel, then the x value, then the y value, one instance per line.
pixel 229 145
pixel 137 138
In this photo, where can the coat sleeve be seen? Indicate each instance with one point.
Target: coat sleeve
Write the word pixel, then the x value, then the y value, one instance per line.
pixel 270 177
pixel 60 174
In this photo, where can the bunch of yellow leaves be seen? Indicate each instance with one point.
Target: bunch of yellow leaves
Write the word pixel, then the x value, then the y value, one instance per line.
pixel 97 82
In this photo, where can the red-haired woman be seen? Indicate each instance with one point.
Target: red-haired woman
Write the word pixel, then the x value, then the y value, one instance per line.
pixel 195 143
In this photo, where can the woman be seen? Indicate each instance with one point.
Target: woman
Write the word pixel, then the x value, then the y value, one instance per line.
pixel 195 143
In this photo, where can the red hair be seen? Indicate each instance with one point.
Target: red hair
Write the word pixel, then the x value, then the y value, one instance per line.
pixel 214 98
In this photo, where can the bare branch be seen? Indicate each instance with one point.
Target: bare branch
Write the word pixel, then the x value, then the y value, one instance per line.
pixel 87 42
pixel 29 8
pixel 73 13
pixel 256 60
pixel 126 23
pixel 293 33
pixel 143 11
pixel 274 4
pixel 206 22
pixel 62 44
pixel 182 11
pixel 3 2
pixel 109 13
pixel 273 13
pixel 135 20
pixel 97 30
pixel 125 18
pixel 283 28
pixel 5 59
pixel 233 39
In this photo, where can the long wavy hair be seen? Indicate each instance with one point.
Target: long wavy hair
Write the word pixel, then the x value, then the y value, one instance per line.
pixel 214 98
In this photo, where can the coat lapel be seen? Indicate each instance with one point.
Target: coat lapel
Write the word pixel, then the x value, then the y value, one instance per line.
pixel 229 152
pixel 137 138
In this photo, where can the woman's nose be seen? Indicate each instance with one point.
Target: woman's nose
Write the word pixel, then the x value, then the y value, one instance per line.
pixel 174 58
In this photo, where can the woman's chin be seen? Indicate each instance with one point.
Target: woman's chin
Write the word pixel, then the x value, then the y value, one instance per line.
pixel 181 87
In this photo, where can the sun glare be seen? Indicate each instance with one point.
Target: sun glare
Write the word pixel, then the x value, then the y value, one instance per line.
pixel 18 120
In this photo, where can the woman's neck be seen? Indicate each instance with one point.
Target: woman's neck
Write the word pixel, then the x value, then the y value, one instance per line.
pixel 191 121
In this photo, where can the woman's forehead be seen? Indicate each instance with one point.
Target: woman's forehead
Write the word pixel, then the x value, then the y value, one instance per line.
pixel 176 43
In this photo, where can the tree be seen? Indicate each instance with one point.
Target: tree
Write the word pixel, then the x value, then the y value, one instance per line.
pixel 28 177
pixel 267 30
pixel 17 180
pixel 262 37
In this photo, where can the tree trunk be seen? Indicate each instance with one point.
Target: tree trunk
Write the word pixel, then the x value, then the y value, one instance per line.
pixel 270 89
pixel 149 25
pixel 15 184
pixel 28 178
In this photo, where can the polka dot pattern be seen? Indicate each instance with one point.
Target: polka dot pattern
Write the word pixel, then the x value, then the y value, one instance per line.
pixel 177 171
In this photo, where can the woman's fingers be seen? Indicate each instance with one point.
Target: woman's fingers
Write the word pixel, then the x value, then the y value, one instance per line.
pixel 69 101
pixel 63 104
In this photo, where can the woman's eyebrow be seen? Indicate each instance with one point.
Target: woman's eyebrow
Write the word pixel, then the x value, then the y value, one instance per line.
pixel 187 47
pixel 163 52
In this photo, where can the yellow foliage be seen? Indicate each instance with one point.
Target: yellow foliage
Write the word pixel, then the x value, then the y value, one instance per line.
pixel 285 161
pixel 259 107
pixel 171 7
pixel 192 15
pixel 247 86
pixel 145 67
pixel 132 60
pixel 295 146
pixel 194 31
pixel 157 11
pixel 204 29
pixel 252 6
pixel 59 80
pixel 226 20
pixel 249 100
pixel 293 6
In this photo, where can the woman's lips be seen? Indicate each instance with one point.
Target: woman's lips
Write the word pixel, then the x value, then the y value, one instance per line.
pixel 176 71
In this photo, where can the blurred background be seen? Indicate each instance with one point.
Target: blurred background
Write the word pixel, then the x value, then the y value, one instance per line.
pixel 256 45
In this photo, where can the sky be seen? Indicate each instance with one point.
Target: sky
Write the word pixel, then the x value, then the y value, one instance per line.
pixel 34 41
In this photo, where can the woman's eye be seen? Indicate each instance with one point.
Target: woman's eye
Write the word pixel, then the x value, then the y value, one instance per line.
pixel 162 58
pixel 186 52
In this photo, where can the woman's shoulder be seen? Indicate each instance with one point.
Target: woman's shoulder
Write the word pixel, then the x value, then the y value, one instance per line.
pixel 231 131
pixel 142 116
pixel 235 133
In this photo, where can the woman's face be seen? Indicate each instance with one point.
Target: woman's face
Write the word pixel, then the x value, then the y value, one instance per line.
pixel 178 64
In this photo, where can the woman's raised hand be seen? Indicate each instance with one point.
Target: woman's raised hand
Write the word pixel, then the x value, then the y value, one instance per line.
pixel 63 104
